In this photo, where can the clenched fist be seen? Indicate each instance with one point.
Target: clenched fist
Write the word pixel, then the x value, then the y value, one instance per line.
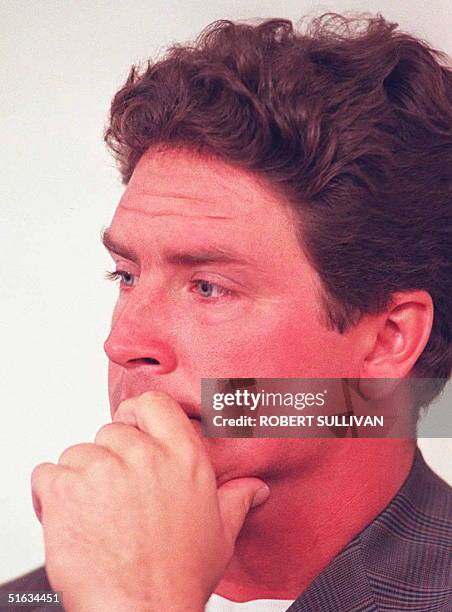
pixel 135 521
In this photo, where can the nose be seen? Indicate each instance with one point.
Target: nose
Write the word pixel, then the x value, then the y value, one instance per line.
pixel 137 339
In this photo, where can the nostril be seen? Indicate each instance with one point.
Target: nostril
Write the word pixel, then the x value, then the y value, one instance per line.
pixel 144 361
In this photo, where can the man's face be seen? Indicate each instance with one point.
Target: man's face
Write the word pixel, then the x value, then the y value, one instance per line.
pixel 215 284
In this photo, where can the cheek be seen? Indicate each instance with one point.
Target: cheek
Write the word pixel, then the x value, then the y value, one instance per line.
pixel 280 344
pixel 308 350
pixel 297 343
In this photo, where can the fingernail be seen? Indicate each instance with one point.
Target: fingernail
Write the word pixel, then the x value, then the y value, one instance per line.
pixel 260 496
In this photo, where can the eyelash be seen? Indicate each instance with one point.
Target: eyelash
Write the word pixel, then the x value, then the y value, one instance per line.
pixel 224 293
pixel 120 275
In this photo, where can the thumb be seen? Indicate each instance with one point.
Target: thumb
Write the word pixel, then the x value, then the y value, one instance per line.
pixel 235 499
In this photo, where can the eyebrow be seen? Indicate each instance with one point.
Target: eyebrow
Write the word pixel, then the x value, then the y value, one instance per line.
pixel 209 255
pixel 116 247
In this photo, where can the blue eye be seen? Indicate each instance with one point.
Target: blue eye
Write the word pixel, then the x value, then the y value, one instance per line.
pixel 206 289
pixel 126 279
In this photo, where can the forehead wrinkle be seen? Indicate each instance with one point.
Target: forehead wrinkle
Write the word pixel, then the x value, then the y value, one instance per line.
pixel 168 195
pixel 149 213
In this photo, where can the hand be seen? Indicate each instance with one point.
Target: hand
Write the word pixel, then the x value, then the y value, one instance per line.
pixel 135 521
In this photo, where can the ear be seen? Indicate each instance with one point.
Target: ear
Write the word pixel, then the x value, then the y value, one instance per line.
pixel 397 337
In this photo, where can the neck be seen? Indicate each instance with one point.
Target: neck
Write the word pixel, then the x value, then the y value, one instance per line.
pixel 310 517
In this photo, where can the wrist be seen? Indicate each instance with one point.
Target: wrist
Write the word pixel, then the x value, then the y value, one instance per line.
pixel 115 602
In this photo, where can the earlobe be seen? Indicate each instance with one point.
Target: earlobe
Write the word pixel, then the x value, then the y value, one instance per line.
pixel 401 334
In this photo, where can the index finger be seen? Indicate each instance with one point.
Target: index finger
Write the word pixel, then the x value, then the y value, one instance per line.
pixel 157 414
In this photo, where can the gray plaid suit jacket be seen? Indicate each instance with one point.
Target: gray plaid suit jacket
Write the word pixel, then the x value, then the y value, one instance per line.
pixel 401 561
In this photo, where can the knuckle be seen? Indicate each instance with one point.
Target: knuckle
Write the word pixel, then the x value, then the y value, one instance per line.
pixel 69 454
pixel 104 433
pixel 125 411
pixel 89 458
pixel 60 485
pixel 193 457
pixel 140 454
pixel 39 475
pixel 36 472
pixel 50 485
pixel 102 465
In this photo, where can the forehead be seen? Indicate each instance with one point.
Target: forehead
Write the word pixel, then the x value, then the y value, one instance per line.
pixel 182 182
pixel 180 197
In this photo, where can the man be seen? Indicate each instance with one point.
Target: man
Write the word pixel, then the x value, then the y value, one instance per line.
pixel 287 214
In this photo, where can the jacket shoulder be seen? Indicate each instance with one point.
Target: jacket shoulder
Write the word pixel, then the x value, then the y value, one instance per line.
pixel 32 581
pixel 406 550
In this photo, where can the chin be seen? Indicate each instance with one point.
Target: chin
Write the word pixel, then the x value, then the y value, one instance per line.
pixel 236 458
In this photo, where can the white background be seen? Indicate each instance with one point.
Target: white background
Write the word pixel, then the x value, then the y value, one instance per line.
pixel 61 61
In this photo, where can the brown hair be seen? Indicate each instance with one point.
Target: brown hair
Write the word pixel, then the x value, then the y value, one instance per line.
pixel 350 119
